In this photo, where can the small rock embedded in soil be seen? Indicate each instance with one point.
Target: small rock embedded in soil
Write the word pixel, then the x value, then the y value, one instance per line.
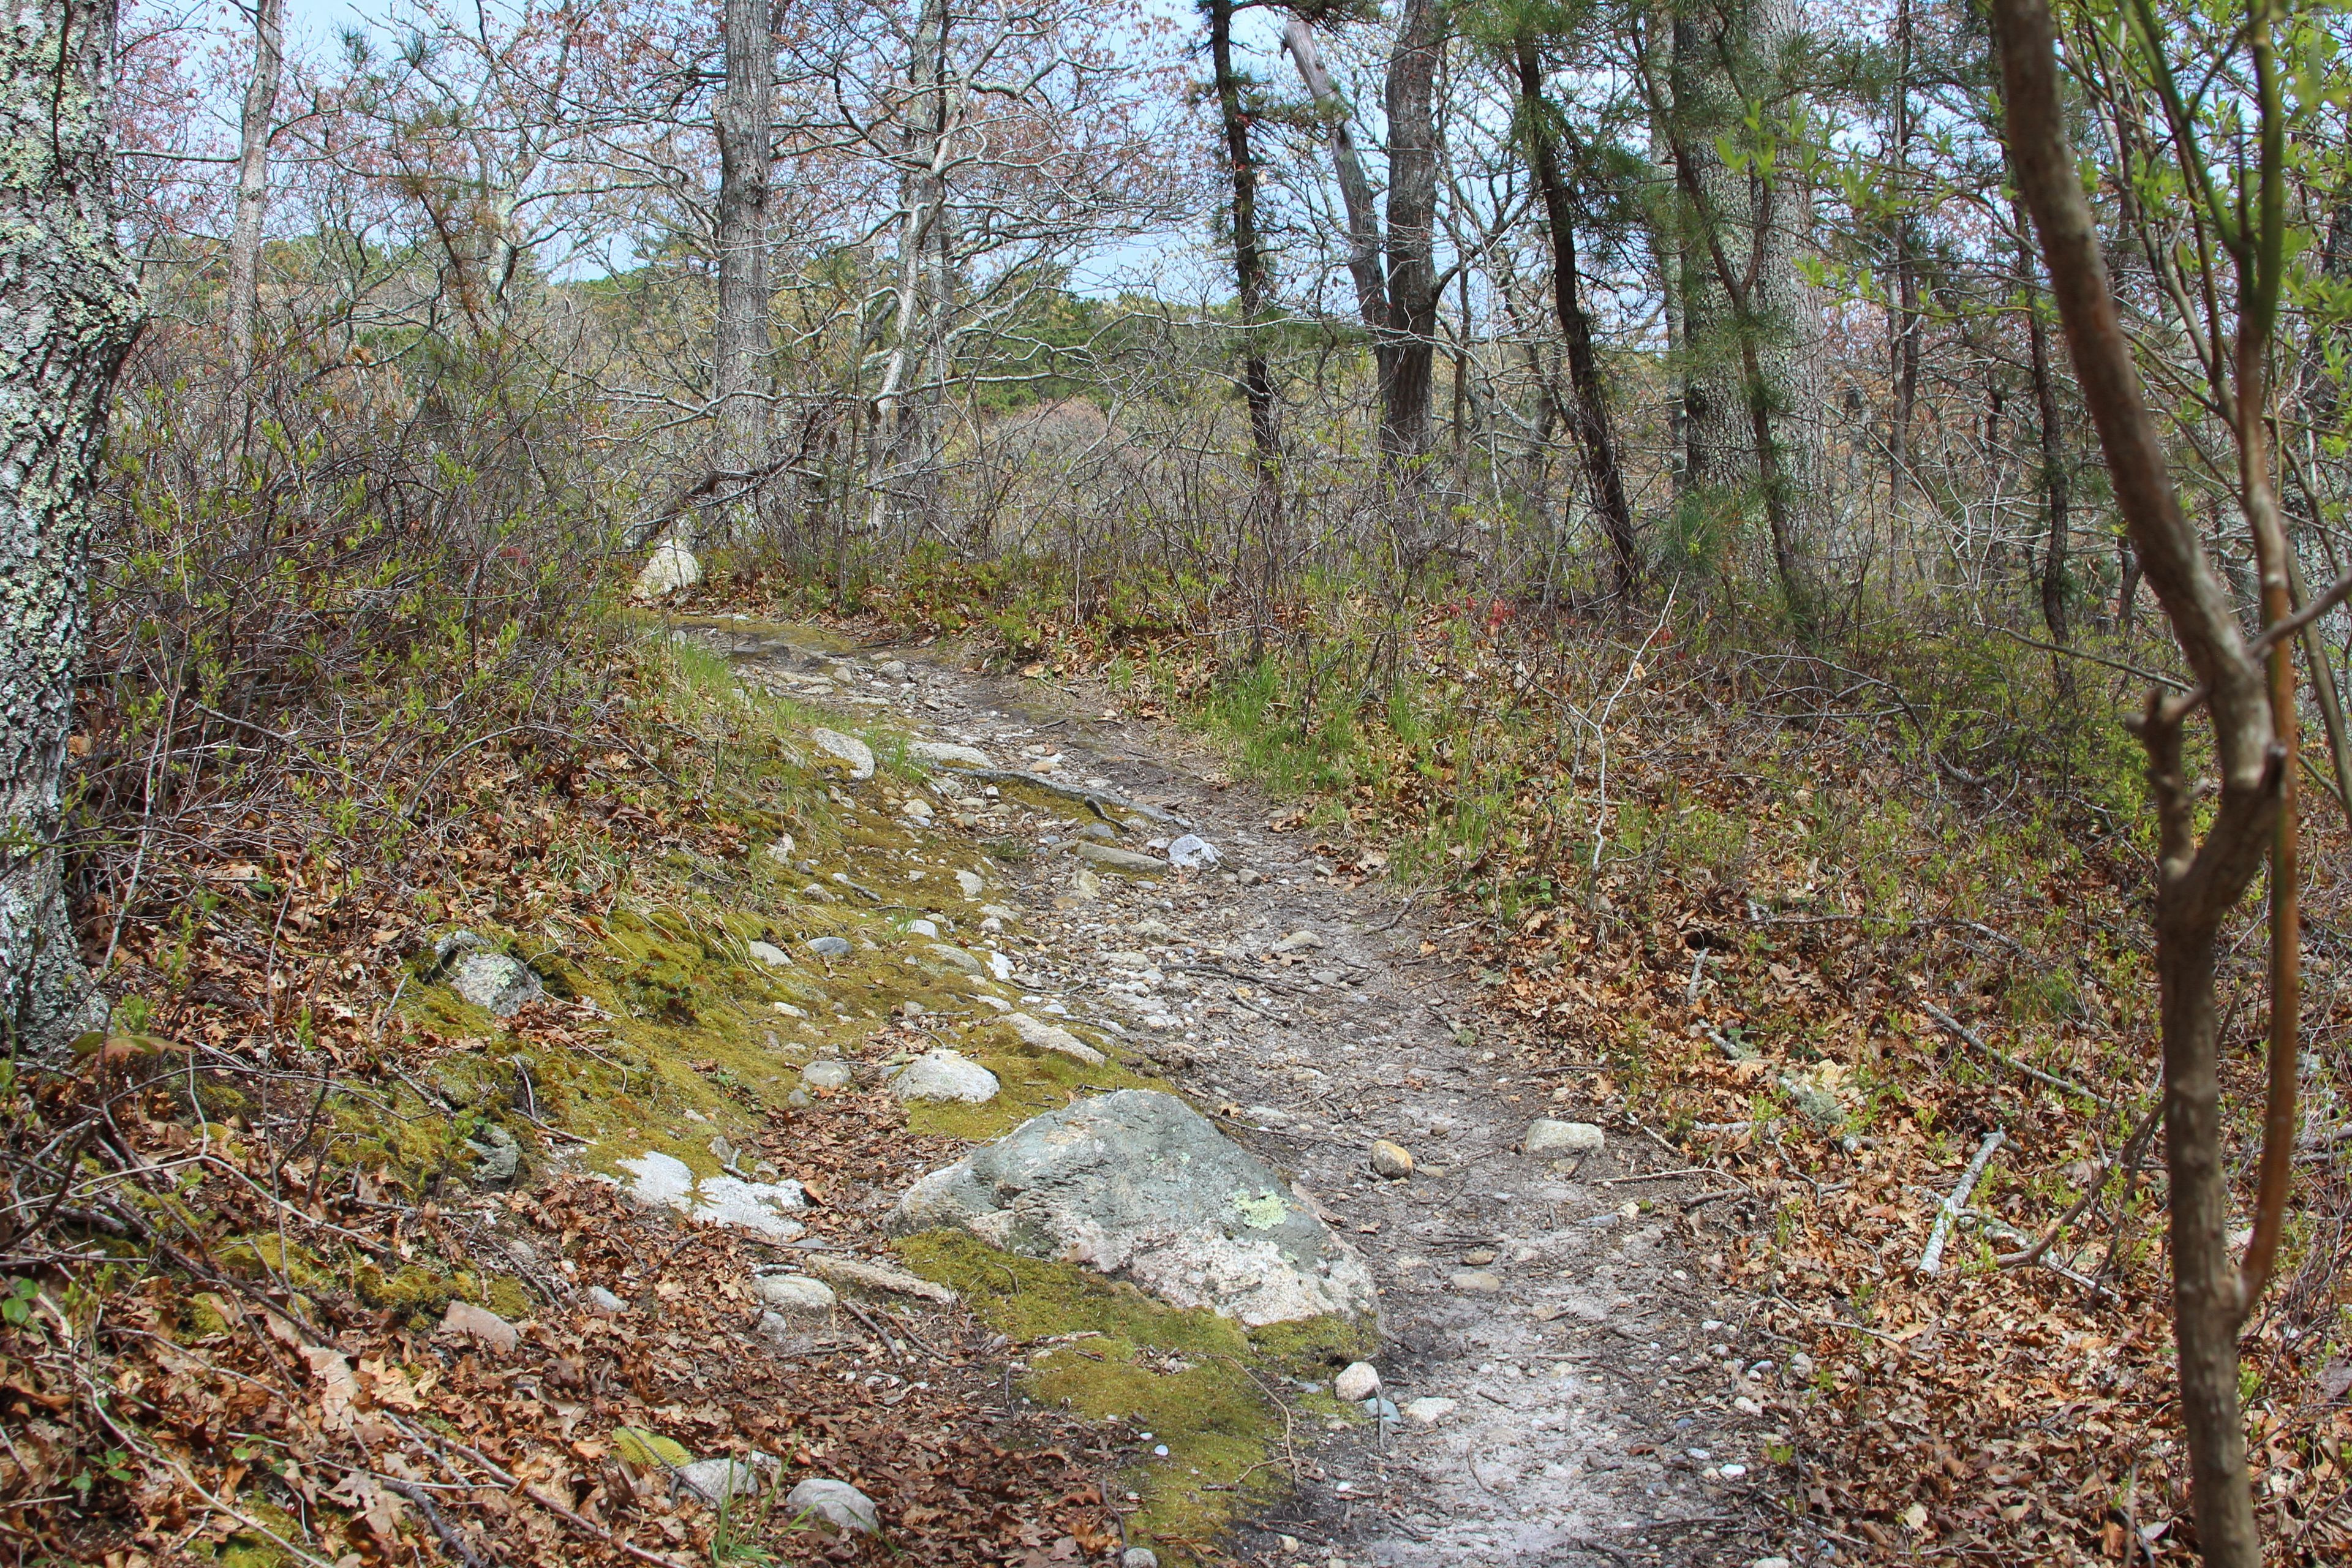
pixel 828 946
pixel 837 1503
pixel 1192 853
pixel 956 958
pixel 1113 859
pixel 946 1075
pixel 1298 941
pixel 492 979
pixel 1478 1282
pixel 795 1293
pixel 947 754
pixel 718 1482
pixel 1040 1035
pixel 604 1303
pixel 501 1157
pixel 1430 1410
pixel 665 1181
pixel 846 751
pixel 1358 1380
pixel 970 882
pixel 1392 1159
pixel 1138 1557
pixel 1546 1136
pixel 769 953
pixel 828 1074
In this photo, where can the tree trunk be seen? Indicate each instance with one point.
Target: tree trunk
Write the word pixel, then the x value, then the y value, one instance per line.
pixel 1752 378
pixel 2198 881
pixel 253 180
pixel 1355 186
pixel 68 310
pixel 739 361
pixel 2054 457
pixel 1589 418
pixel 1413 282
pixel 902 473
pixel 1905 319
pixel 1253 279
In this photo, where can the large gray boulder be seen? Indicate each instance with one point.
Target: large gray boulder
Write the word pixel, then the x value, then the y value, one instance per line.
pixel 1138 1186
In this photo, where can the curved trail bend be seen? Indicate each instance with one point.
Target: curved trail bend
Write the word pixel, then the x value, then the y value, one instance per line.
pixel 1572 1389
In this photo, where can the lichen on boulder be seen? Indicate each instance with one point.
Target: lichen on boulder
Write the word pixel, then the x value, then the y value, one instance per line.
pixel 1138 1186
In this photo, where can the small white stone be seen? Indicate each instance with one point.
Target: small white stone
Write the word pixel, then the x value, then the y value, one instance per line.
pixel 769 953
pixel 847 750
pixel 794 1292
pixel 837 1503
pixel 1546 1136
pixel 945 1075
pixel 827 1075
pixel 972 883
pixel 1430 1410
pixel 1359 1381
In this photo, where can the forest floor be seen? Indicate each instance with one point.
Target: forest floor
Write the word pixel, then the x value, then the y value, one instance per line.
pixel 1569 1385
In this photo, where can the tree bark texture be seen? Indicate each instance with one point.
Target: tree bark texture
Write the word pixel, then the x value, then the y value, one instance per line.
pixel 1413 282
pixel 1753 382
pixel 1590 416
pixel 68 310
pixel 2055 486
pixel 2198 882
pixel 1252 278
pixel 259 120
pixel 741 352
pixel 1355 185
pixel 904 475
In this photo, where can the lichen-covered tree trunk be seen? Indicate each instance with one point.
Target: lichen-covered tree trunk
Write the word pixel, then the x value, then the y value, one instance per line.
pixel 67 312
pixel 740 362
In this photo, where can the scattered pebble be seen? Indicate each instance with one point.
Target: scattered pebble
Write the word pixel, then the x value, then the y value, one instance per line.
pixel 829 946
pixel 1391 1159
pixel 1358 1380
pixel 1430 1410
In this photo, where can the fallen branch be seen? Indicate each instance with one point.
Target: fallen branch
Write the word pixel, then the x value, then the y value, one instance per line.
pixel 442 1528
pixel 2129 1154
pixel 1932 1260
pixel 1962 1032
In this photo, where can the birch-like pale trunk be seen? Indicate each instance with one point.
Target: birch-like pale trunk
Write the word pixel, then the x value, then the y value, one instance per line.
pixel 68 310
pixel 904 405
pixel 740 359
pixel 253 179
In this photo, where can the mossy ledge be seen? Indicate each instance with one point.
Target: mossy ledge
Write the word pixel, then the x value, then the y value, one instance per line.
pixel 1220 1397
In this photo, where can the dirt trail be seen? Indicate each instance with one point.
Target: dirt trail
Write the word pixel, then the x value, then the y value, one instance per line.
pixel 1570 1388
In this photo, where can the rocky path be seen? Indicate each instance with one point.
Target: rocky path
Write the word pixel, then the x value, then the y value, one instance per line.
pixel 1563 1386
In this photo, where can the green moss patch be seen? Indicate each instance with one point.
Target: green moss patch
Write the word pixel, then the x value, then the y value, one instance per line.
pixel 1218 1396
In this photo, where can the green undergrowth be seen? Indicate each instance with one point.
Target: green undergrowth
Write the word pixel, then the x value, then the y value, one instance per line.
pixel 1218 1396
